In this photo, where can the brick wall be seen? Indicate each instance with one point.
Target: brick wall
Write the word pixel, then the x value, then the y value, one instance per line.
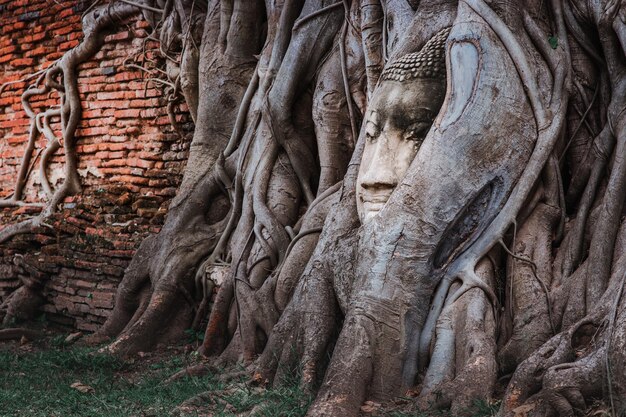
pixel 130 162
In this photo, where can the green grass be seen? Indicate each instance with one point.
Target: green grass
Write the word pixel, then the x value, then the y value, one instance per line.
pixel 39 383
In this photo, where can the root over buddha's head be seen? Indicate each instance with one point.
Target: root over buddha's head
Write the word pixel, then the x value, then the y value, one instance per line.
pixel 404 105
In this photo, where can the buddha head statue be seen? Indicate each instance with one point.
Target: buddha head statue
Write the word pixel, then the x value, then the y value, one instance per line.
pixel 404 105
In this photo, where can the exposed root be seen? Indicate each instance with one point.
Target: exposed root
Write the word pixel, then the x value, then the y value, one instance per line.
pixel 462 367
pixel 445 297
pixel 19 333
pixel 192 371
pixel 530 310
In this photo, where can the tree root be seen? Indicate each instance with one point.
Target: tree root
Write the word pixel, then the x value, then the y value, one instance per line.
pixel 462 367
pixel 192 371
pixel 142 315
pixel 19 333
pixel 529 306
pixel 23 304
pixel 570 368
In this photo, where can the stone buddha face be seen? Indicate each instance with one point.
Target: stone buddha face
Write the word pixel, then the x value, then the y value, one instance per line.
pixel 404 106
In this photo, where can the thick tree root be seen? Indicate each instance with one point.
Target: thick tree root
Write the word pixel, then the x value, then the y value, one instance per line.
pixel 530 272
pixel 573 367
pixel 462 367
pixel 19 333
pixel 22 305
pixel 192 371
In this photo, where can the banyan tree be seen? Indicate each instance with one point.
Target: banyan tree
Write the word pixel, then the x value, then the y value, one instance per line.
pixel 388 195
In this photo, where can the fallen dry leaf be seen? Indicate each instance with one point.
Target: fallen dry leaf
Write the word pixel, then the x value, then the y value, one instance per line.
pixel 73 337
pixel 370 407
pixel 79 386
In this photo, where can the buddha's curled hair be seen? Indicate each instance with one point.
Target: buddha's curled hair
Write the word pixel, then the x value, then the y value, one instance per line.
pixel 429 62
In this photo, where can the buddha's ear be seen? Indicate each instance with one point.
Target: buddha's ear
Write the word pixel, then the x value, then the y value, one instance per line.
pixel 462 68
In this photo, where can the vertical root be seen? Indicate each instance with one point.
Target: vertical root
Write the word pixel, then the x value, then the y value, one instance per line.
pixel 463 367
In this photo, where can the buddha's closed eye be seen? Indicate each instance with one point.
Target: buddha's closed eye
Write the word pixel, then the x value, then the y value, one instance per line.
pixel 417 131
pixel 372 130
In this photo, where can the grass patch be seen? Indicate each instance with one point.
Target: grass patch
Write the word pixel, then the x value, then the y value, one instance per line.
pixel 38 383
pixel 288 400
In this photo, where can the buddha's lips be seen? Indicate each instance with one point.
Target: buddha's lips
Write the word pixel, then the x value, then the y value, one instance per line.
pixel 379 198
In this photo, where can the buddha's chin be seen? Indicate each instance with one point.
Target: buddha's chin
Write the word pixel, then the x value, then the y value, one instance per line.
pixel 368 215
pixel 371 210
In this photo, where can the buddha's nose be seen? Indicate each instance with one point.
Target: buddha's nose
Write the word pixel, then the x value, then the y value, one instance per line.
pixel 381 170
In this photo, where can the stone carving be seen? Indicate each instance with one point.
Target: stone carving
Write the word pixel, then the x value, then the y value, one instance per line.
pixel 404 106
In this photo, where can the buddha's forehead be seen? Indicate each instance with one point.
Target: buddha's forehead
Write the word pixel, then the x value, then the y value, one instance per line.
pixel 414 99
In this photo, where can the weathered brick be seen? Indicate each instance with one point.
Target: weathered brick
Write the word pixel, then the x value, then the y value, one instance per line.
pixel 22 62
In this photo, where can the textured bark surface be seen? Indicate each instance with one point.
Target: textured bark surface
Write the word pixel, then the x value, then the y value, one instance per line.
pixel 497 254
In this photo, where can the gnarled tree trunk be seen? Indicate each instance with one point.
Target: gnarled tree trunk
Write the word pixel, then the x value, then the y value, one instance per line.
pixel 497 255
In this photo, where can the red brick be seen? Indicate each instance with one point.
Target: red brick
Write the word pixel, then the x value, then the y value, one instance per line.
pixel 69 44
pixel 118 36
pixel 22 62
pixel 130 113
pixel 63 31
